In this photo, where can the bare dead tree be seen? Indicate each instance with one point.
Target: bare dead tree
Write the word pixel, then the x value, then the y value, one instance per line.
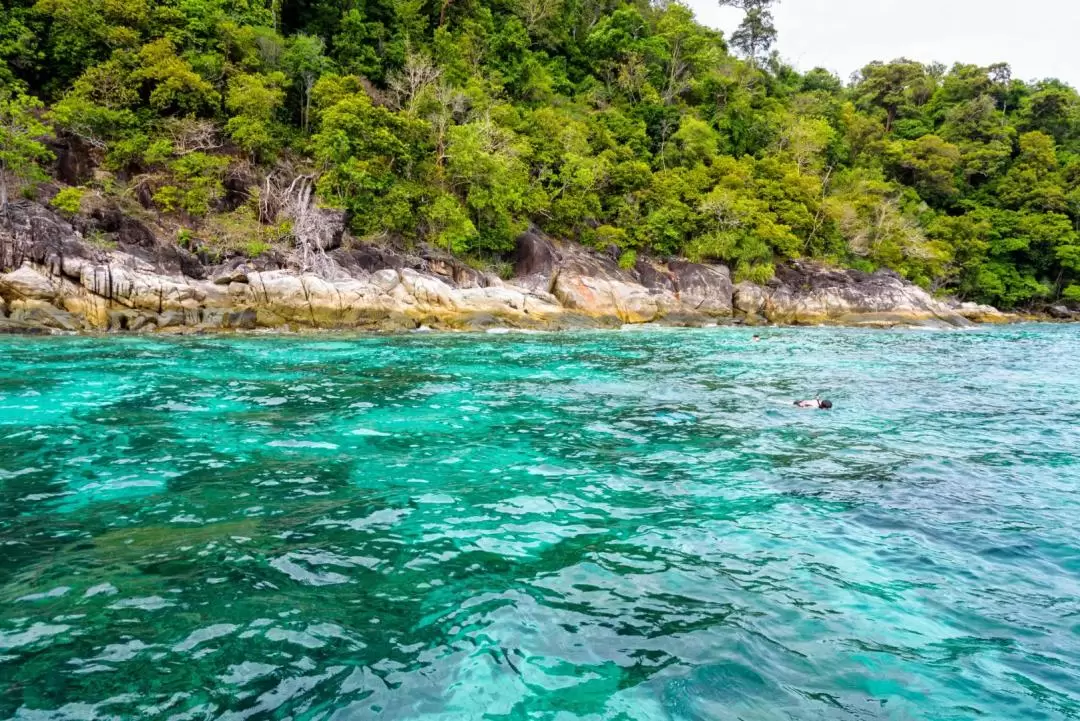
pixel 676 81
pixel 190 135
pixel 633 74
pixel 87 134
pixel 450 106
pixel 313 228
pixel 534 13
pixel 407 84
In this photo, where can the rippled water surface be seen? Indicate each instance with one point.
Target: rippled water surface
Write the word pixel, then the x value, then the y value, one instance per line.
pixel 618 526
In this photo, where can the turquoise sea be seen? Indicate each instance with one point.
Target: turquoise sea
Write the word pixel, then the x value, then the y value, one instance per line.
pixel 619 526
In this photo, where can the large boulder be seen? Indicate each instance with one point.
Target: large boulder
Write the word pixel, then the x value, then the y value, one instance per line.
pixel 597 287
pixel 41 313
pixel 35 234
pixel 750 299
pixel 535 254
pixel 979 313
pixel 25 283
pixel 452 270
pixel 655 276
pixel 536 260
pixel 426 290
pixel 705 289
pixel 589 284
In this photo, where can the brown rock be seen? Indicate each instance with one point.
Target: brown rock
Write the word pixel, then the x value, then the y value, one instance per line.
pixel 41 313
pixel 27 283
pixel 749 298
pixel 233 275
pixel 806 293
pixel 706 289
pixel 535 254
pixel 978 313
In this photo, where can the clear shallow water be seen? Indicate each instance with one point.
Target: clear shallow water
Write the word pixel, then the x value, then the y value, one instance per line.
pixel 613 526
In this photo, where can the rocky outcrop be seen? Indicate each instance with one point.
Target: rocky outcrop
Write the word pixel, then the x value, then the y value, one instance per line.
pixel 595 285
pixel 57 282
pixel 805 293
pixel 978 313
pixel 587 284
pixel 1062 312
pixel 705 289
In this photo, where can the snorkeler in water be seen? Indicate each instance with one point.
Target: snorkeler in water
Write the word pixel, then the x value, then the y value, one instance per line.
pixel 823 405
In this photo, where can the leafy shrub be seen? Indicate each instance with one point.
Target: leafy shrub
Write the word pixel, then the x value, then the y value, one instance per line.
pixel 255 248
pixel 68 201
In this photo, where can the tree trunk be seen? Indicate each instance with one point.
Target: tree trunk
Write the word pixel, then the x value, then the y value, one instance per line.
pixel 4 193
pixel 306 110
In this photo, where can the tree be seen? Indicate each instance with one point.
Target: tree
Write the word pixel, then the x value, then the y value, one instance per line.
pixel 1053 108
pixel 1034 182
pixel 893 87
pixel 741 230
pixel 367 157
pixel 487 170
pixel 407 84
pixel 174 85
pixel 694 142
pixel 536 13
pixel 254 101
pixel 928 164
pixel 20 150
pixel 757 31
pixel 306 62
pixel 356 45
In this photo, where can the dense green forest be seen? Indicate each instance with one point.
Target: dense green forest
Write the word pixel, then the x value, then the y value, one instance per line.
pixel 625 126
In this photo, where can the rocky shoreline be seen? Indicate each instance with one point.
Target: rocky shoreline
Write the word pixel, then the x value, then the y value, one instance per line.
pixel 55 281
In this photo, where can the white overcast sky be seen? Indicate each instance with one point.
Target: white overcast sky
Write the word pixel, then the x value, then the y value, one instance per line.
pixel 1038 38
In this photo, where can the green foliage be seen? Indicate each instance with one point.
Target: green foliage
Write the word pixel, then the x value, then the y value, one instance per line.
pixel 21 153
pixel 175 87
pixel 194 184
pixel 255 248
pixel 68 201
pixel 449 225
pixel 254 101
pixel 626 126
pixel 306 63
pixel 367 155
pixel 756 33
pixel 486 163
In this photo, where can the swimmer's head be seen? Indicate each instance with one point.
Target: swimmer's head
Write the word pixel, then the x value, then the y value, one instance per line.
pixel 825 404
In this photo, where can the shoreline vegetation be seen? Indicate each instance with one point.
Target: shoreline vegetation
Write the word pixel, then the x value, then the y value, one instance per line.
pixel 64 284
pixel 535 164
